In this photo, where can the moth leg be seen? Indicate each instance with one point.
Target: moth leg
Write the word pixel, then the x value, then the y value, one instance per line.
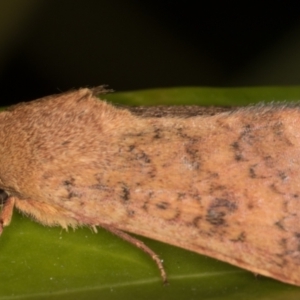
pixel 125 236
pixel 6 213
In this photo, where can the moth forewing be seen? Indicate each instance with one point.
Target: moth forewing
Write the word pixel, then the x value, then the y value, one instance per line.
pixel 222 184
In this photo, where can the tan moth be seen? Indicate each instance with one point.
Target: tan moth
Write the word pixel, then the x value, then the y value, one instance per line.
pixel 223 184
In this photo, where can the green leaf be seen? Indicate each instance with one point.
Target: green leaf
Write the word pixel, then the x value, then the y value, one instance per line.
pixel 38 262
pixel 206 96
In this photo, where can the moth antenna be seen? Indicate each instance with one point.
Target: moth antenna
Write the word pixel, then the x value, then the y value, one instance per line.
pixel 139 244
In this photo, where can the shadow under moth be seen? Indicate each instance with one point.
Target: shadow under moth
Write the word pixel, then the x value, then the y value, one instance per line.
pixel 222 182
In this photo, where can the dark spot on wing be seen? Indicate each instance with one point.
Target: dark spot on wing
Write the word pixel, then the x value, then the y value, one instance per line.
pixel 218 210
pixel 157 133
pixel 237 151
pixel 240 238
pixel 279 225
pixel 69 182
pixel 163 205
pixel 215 217
pixel 196 221
pixel 143 157
pixel 252 172
pixel 69 186
pixel 125 192
pixel 282 175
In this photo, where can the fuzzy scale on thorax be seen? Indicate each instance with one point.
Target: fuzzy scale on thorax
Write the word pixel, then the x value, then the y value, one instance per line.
pixel 233 177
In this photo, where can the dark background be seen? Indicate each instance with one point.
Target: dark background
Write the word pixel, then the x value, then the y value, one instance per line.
pixel 48 46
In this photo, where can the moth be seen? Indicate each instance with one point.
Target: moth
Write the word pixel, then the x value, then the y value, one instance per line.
pixel 224 183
